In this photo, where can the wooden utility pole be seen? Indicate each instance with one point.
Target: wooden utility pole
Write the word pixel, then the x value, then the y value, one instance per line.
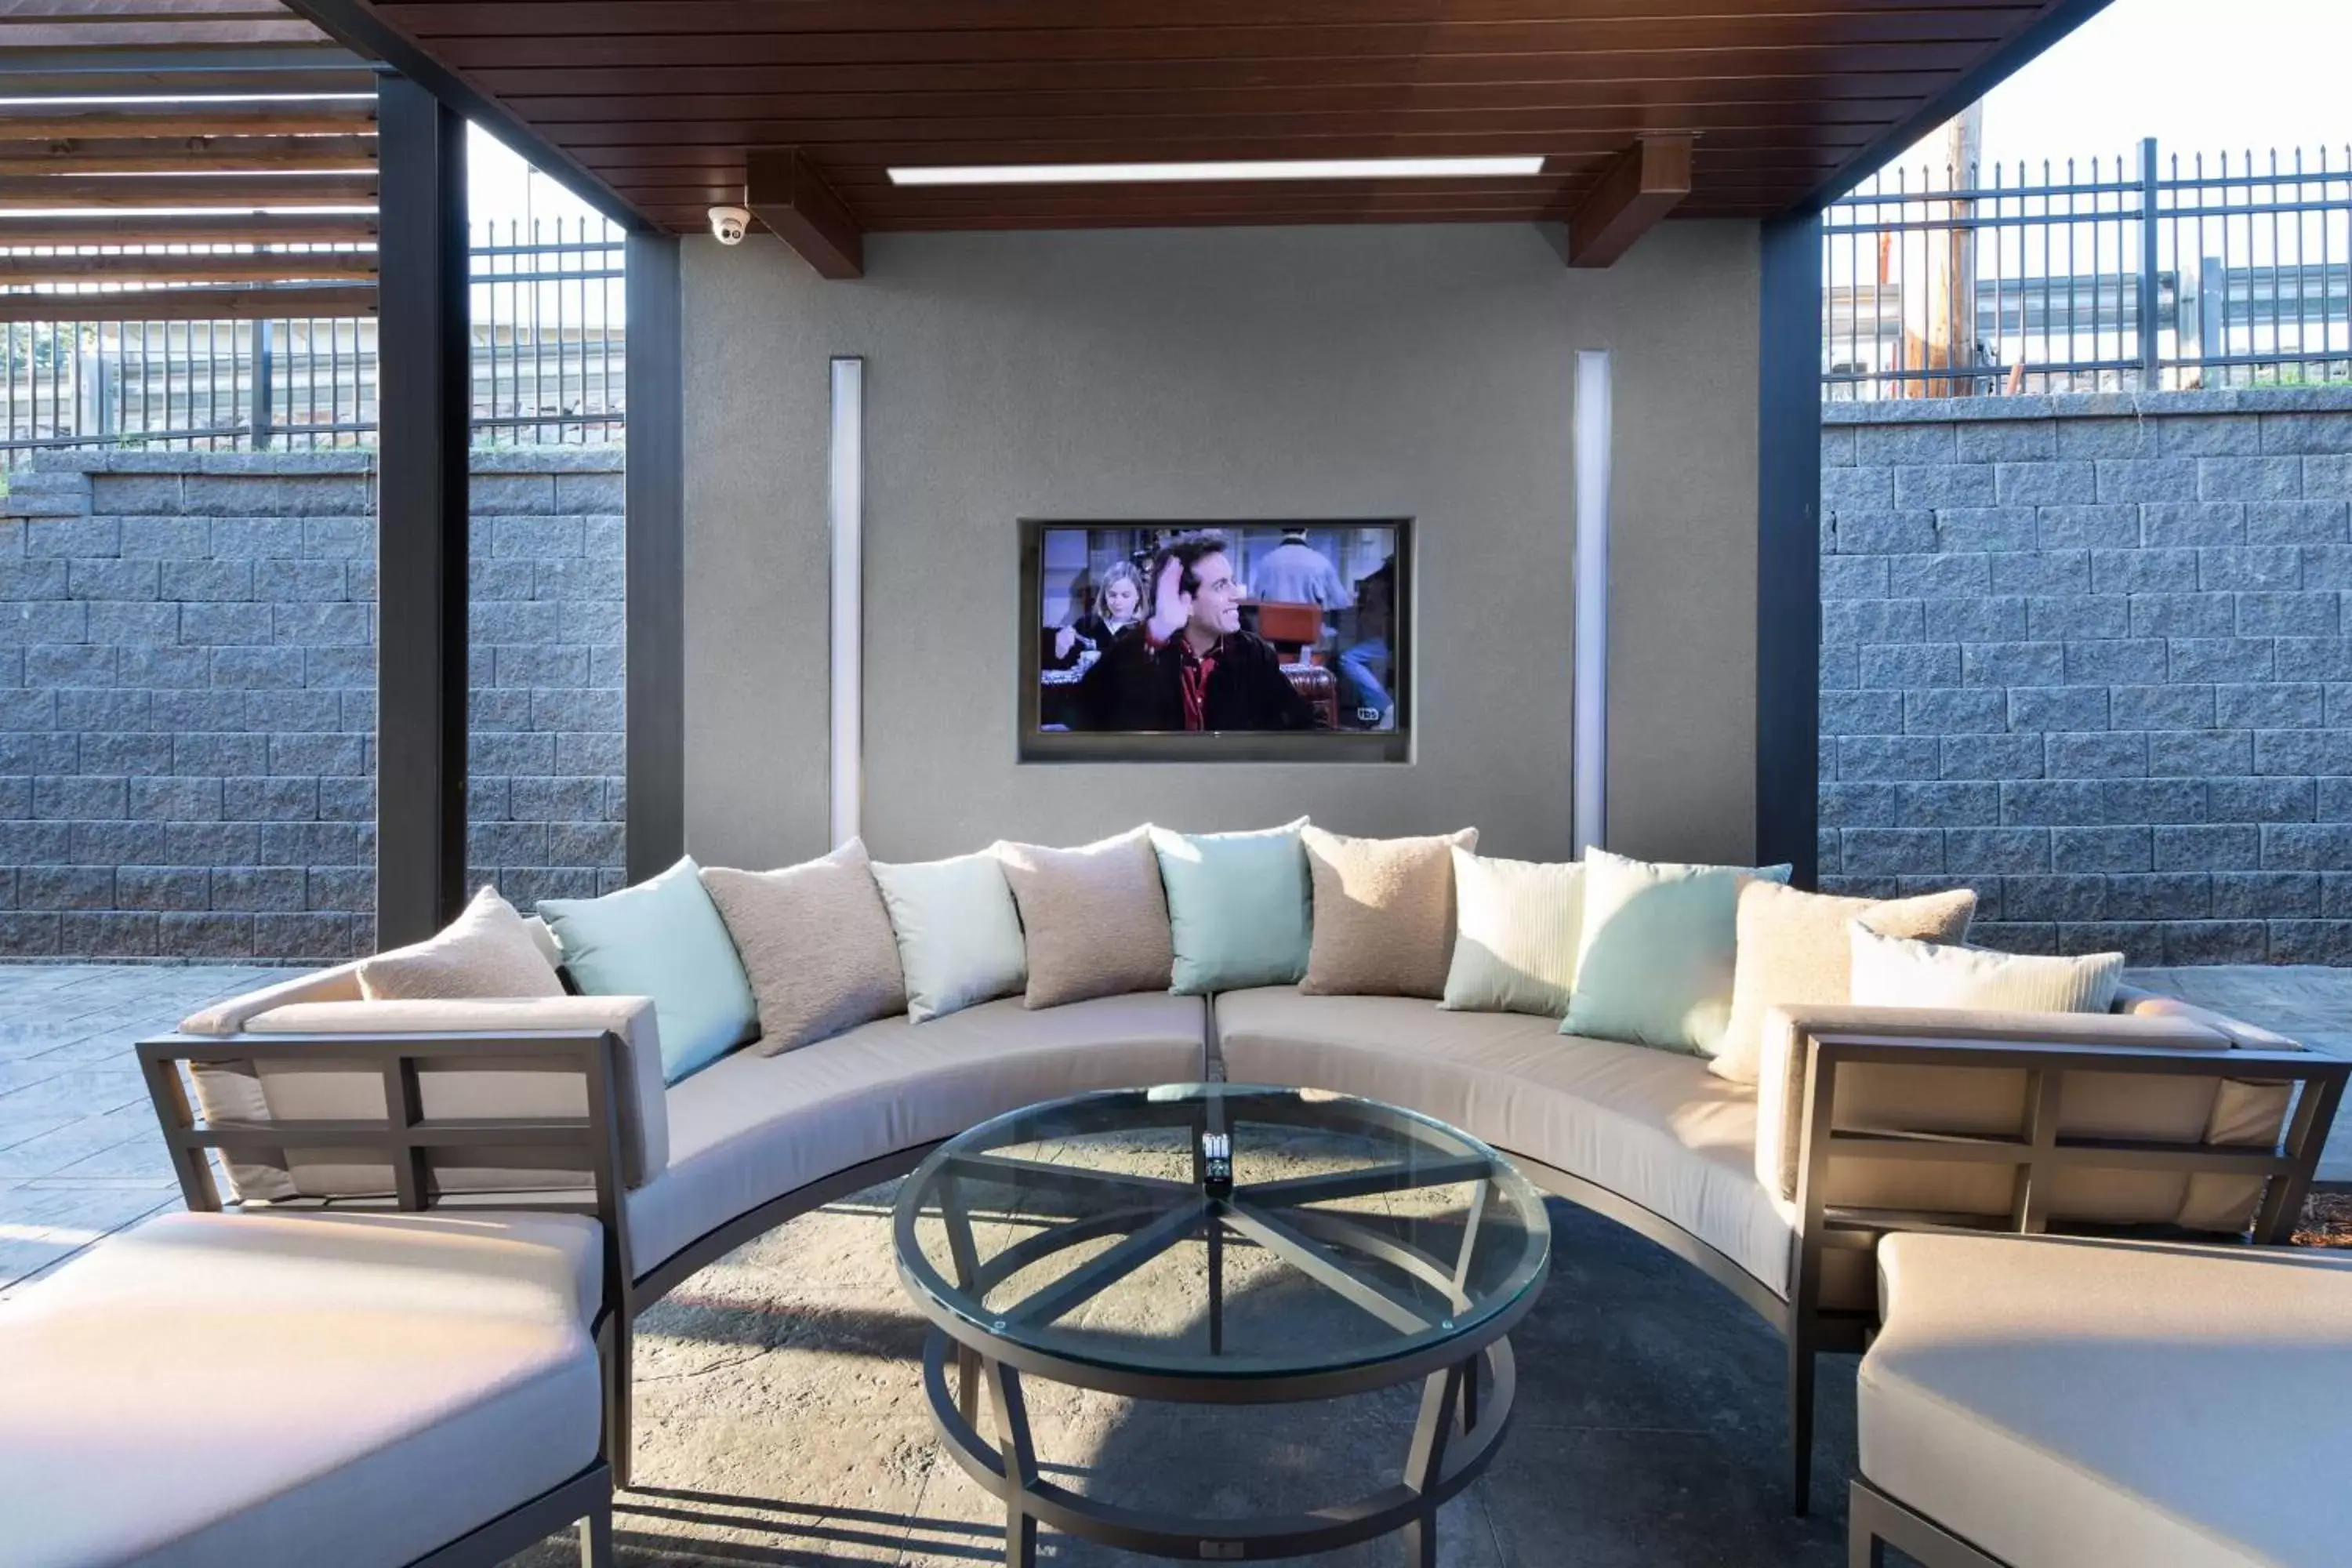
pixel 1940 324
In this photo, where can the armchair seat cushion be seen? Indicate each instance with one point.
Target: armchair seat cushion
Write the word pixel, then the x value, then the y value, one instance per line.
pixel 2110 1404
pixel 1653 1126
pixel 232 1390
pixel 751 1127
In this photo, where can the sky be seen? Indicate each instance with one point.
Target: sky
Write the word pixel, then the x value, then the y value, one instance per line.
pixel 2200 76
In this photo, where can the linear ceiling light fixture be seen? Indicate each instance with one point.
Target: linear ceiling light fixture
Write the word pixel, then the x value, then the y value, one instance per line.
pixel 1179 174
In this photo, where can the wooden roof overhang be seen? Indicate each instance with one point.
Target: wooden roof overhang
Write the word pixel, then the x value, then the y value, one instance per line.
pixel 664 108
pixel 183 160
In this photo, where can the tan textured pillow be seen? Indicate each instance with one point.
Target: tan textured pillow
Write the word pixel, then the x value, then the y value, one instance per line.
pixel 486 951
pixel 1383 913
pixel 815 942
pixel 1794 952
pixel 1095 918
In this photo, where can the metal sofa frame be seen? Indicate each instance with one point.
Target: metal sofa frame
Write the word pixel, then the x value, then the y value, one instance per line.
pixel 1875 1521
pixel 2037 1153
pixel 405 1135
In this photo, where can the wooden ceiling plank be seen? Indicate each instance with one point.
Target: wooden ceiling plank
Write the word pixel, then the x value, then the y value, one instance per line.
pixel 192 304
pixel 266 267
pixel 223 228
pixel 245 191
pixel 785 192
pixel 167 155
pixel 123 80
pixel 1642 187
pixel 175 118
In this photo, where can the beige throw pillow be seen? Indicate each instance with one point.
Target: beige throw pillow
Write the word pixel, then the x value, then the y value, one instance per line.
pixel 815 943
pixel 1894 971
pixel 1095 918
pixel 1794 951
pixel 486 951
pixel 1383 913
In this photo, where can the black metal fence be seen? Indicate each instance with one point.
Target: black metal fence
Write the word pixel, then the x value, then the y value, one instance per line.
pixel 2133 274
pixel 548 329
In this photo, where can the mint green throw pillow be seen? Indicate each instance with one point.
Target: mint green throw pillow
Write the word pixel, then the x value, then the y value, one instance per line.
pixel 1238 907
pixel 661 939
pixel 1654 957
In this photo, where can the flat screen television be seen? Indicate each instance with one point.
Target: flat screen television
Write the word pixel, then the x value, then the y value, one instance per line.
pixel 1253 640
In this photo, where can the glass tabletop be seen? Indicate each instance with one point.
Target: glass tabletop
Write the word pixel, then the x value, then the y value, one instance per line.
pixel 1221 1230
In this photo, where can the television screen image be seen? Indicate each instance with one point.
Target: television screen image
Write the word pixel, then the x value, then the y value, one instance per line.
pixel 1247 639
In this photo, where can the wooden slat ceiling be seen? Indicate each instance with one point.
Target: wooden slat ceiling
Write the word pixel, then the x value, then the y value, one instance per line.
pixel 78 178
pixel 661 99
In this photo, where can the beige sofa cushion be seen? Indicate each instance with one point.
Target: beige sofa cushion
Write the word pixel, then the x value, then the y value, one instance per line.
pixel 1993 1101
pixel 1794 951
pixel 750 1129
pixel 1383 913
pixel 815 942
pixel 310 1084
pixel 1652 1126
pixel 1095 918
pixel 227 1391
pixel 486 951
pixel 2068 1404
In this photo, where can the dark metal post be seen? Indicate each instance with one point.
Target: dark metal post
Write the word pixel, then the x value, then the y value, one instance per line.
pixel 1788 546
pixel 655 549
pixel 264 393
pixel 2150 368
pixel 424 408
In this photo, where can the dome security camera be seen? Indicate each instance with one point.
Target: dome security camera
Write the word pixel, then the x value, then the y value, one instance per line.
pixel 728 223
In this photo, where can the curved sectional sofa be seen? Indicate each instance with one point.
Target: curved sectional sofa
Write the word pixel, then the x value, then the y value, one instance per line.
pixel 2156 1114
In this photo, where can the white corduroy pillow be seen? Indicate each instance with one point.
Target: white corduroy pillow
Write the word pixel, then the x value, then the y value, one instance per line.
pixel 1514 935
pixel 1897 971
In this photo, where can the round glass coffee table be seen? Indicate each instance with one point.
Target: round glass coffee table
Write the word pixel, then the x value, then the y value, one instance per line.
pixel 1221 1244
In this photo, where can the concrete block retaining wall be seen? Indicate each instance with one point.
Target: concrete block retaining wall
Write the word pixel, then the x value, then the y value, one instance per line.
pixel 2093 656
pixel 187 705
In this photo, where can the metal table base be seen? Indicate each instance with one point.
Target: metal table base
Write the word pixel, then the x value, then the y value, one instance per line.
pixel 1458 1432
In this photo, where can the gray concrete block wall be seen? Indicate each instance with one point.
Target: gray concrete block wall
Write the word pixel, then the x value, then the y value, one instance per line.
pixel 188 707
pixel 2093 656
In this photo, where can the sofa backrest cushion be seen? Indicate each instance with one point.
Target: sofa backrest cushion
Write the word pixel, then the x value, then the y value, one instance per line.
pixel 1095 918
pixel 1240 911
pixel 1656 950
pixel 1514 935
pixel 1793 952
pixel 815 940
pixel 311 1082
pixel 485 951
pixel 662 939
pixel 958 934
pixel 1383 913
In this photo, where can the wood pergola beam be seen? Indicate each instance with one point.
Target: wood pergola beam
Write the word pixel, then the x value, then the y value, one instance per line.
pixel 248 191
pixel 173 117
pixel 1648 181
pixel 224 228
pixel 183 154
pixel 245 304
pixel 784 192
pixel 264 266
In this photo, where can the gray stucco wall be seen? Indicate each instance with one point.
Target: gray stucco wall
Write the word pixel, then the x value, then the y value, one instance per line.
pixel 2093 656
pixel 187 704
pixel 1222 374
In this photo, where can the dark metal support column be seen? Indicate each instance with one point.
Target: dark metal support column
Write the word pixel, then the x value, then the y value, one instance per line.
pixel 657 558
pixel 424 411
pixel 1788 547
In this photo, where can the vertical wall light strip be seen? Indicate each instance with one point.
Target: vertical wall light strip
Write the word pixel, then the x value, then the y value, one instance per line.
pixel 1588 810
pixel 846 512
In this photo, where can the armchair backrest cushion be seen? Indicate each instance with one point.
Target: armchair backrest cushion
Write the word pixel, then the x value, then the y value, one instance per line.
pixel 2187 1108
pixel 311 1082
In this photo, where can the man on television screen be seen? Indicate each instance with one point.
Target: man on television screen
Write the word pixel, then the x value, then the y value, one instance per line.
pixel 1188 665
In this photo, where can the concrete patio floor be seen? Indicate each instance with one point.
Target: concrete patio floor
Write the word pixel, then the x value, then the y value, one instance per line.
pixel 780 1413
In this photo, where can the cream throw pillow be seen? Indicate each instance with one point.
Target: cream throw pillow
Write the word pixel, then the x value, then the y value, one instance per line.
pixel 486 951
pixel 1514 936
pixel 1383 913
pixel 815 943
pixel 1794 951
pixel 1095 918
pixel 959 934
pixel 1894 971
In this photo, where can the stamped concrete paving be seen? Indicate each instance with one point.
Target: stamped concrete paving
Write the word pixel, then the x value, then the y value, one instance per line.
pixel 781 1415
